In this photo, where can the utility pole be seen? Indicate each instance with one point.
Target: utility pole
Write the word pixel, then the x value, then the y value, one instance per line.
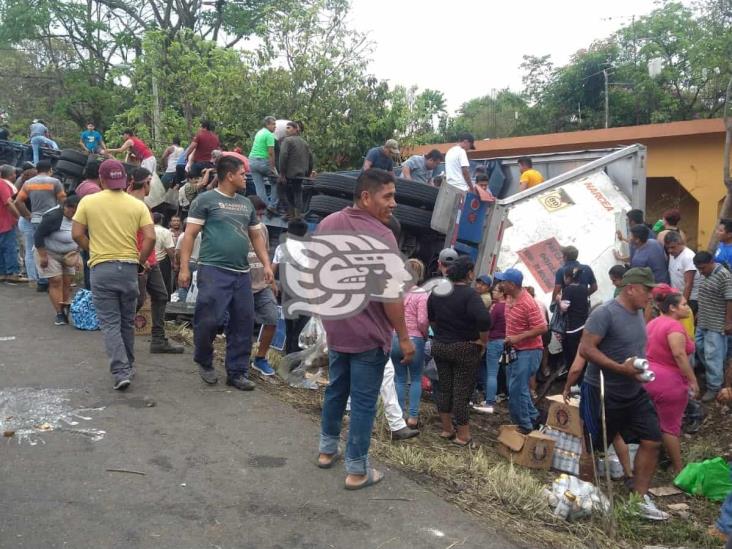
pixel 156 110
pixel 607 101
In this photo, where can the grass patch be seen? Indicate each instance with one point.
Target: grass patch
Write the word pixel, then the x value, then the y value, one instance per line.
pixel 508 498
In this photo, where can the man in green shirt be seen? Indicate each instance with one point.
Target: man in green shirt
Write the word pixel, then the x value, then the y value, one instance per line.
pixel 229 225
pixel 262 160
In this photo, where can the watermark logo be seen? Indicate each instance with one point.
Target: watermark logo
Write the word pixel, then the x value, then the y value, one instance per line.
pixel 336 275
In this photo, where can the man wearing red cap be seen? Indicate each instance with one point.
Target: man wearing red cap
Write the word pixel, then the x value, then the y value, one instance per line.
pixel 112 218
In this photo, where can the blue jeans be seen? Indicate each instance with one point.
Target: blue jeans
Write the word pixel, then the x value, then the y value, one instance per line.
pixel 29 231
pixel 183 292
pixel 492 355
pixel 39 141
pixel 9 253
pixel 115 293
pixel 711 348
pixel 260 171
pixel 413 371
pixel 221 291
pixel 360 375
pixel 724 522
pixel 522 410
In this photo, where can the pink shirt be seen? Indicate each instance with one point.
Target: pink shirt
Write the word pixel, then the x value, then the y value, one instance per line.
pixel 522 315
pixel 415 312
pixel 370 329
pixel 658 351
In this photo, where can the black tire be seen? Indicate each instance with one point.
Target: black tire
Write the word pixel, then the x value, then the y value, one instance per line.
pixel 411 218
pixel 416 194
pixel 323 205
pixel 415 219
pixel 69 169
pixel 73 156
pixel 334 184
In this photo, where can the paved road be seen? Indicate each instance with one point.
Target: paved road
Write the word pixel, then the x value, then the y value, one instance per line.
pixel 221 469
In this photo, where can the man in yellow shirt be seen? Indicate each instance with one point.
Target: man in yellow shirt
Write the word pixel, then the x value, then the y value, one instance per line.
pixel 112 219
pixel 529 176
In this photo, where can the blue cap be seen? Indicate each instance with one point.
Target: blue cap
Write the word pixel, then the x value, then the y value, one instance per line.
pixel 511 275
pixel 485 279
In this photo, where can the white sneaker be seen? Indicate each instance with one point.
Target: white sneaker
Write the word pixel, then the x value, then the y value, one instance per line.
pixel 483 408
pixel 648 510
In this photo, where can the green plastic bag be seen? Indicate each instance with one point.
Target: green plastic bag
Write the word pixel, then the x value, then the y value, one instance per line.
pixel 709 478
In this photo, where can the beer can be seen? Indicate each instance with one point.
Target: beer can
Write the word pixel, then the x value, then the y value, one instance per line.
pixel 647 375
pixel 640 364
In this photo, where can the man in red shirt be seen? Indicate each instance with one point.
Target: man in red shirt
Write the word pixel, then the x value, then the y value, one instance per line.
pixel 9 215
pixel 135 147
pixel 525 324
pixel 203 144
pixel 359 345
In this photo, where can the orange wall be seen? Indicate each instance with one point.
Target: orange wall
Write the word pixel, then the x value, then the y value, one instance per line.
pixel 696 163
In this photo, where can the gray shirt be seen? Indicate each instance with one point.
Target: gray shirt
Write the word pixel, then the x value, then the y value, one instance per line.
pixel 623 336
pixel 38 129
pixel 715 291
pixel 418 170
pixel 43 191
pixel 61 242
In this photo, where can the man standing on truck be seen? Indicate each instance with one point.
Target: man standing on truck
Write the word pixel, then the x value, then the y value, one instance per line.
pixel 136 150
pixel 457 165
pixel 91 140
pixel 614 336
pixel 529 176
pixel 382 157
pixel 420 166
pixel 296 163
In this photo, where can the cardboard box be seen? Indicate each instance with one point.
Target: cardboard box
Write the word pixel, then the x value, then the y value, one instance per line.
pixel 143 319
pixel 565 417
pixel 534 450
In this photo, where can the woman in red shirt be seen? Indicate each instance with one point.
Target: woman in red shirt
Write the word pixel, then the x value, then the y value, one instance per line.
pixel 669 348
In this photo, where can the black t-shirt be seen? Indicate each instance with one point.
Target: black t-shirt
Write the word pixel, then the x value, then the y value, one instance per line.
pixel 579 307
pixel 460 316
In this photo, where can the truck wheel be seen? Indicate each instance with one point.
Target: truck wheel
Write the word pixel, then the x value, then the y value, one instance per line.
pixel 413 218
pixel 69 169
pixel 416 194
pixel 73 156
pixel 323 205
pixel 334 184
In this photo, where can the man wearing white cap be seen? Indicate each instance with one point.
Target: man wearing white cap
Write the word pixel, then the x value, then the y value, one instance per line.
pixel 382 157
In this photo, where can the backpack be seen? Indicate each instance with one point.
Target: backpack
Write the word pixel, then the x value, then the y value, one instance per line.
pixel 83 313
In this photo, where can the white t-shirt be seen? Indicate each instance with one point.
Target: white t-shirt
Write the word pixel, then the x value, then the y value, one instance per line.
pixel 196 246
pixel 163 241
pixel 677 266
pixel 296 248
pixel 173 158
pixel 455 160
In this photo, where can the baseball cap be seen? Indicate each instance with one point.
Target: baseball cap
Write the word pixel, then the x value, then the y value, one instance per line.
pixel 663 290
pixel 447 256
pixel 465 136
pixel 485 279
pixel 511 275
pixel 113 174
pixel 639 275
pixel 393 145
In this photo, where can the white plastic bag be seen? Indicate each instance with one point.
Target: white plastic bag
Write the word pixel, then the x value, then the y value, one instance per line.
pixel 193 289
pixel 573 499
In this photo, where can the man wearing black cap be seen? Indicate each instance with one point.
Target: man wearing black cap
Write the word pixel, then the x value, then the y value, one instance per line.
pixel 614 336
pixel 457 165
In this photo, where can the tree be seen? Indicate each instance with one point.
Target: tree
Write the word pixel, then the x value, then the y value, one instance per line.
pixel 489 116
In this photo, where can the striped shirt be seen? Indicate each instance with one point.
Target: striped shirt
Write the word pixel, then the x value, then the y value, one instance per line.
pixel 714 292
pixel 523 315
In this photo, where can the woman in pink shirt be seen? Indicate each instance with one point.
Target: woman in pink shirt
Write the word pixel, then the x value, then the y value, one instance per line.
pixel 415 313
pixel 669 347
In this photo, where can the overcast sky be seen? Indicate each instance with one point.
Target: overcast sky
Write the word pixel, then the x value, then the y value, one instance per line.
pixel 464 48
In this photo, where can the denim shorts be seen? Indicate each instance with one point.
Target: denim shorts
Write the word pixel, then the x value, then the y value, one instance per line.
pixel 265 308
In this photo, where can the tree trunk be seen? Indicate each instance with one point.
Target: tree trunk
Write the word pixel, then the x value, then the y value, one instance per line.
pixel 726 211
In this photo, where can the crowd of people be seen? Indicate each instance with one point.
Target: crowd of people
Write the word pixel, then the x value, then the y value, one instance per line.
pixel 137 234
